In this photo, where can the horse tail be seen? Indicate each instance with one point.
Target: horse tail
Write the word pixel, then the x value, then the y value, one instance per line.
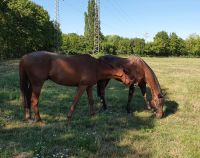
pixel 25 85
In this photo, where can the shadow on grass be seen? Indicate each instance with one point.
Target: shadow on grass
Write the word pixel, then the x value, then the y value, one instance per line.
pixel 104 135
pixel 171 108
pixel 138 103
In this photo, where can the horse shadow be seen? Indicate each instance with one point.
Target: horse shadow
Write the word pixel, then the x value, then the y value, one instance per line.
pixel 138 103
pixel 171 106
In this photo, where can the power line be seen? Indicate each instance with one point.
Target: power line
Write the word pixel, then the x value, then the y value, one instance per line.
pixel 120 11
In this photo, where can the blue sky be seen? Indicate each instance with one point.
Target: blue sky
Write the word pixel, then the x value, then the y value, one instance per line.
pixel 131 18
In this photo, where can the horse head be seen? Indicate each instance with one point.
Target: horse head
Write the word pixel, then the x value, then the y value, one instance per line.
pixel 157 104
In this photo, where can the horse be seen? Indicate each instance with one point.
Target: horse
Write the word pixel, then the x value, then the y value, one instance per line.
pixel 141 74
pixel 82 71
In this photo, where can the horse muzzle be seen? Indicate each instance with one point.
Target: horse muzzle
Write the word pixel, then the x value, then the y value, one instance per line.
pixel 127 82
pixel 159 113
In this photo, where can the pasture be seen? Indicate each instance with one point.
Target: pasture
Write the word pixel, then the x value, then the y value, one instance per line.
pixel 113 133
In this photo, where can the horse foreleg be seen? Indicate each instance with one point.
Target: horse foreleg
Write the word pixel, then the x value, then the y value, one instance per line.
pixel 101 86
pixel 130 96
pixel 90 99
pixel 79 93
pixel 34 100
pixel 144 93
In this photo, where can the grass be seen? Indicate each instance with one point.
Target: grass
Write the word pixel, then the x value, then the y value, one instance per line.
pixel 109 134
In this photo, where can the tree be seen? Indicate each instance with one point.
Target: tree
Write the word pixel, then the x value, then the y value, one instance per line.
pixel 25 27
pixel 138 46
pixel 161 44
pixel 73 44
pixel 193 45
pixel 118 45
pixel 89 24
pixel 176 45
pixel 148 50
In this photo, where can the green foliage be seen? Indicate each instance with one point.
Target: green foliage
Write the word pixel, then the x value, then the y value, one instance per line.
pixel 139 46
pixel 89 24
pixel 25 27
pixel 73 44
pixel 161 44
pixel 114 44
pixel 109 48
pixel 176 45
pixel 193 45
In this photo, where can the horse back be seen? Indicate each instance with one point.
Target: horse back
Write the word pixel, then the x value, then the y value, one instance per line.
pixel 77 69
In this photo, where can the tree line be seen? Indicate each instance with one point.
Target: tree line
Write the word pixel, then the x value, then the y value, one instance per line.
pixel 163 44
pixel 26 26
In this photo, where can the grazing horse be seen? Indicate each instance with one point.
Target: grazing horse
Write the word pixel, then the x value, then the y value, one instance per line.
pixel 140 74
pixel 82 71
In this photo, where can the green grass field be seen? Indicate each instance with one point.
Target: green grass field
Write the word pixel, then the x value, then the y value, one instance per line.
pixel 109 134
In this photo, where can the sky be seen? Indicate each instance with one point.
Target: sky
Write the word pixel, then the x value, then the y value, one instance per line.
pixel 131 18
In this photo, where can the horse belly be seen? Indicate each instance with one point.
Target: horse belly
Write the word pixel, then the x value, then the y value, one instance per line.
pixel 65 78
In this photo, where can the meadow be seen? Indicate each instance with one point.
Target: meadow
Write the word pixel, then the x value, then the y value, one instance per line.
pixel 113 133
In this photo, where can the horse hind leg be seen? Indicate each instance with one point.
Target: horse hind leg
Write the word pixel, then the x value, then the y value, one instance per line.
pixel 36 89
pixel 90 99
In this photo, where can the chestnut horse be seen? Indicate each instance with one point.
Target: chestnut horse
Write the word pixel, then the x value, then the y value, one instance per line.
pixel 140 74
pixel 82 71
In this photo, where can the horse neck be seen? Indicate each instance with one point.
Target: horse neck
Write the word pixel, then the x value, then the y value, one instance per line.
pixel 152 81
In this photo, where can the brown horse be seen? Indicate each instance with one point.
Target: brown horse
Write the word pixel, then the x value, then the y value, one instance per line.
pixel 140 74
pixel 82 71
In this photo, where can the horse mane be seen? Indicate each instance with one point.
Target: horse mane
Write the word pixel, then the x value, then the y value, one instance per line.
pixel 136 59
pixel 104 59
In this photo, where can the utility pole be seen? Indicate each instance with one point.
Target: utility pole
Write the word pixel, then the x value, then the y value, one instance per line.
pixel 97 27
pixel 57 25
